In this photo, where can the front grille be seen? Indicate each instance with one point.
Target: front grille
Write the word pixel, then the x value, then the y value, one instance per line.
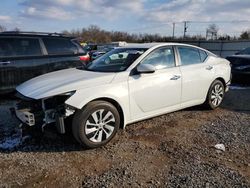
pixel 33 105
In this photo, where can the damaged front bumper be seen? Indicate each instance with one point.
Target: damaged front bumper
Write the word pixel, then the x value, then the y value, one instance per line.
pixel 42 112
pixel 25 116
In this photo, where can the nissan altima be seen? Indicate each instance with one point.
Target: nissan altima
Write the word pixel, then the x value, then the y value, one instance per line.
pixel 126 85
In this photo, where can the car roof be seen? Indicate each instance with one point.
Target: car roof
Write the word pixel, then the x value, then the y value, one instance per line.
pixel 160 44
pixel 33 34
pixel 154 44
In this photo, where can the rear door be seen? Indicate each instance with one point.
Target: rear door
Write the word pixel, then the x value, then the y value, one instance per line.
pixel 63 53
pixel 21 58
pixel 197 74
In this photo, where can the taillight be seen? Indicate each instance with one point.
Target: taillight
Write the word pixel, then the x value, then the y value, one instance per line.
pixel 84 58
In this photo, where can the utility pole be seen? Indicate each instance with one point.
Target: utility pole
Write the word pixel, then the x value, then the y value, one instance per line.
pixel 185 28
pixel 173 29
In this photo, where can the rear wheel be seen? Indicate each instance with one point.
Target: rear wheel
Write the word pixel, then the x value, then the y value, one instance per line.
pixel 215 94
pixel 96 124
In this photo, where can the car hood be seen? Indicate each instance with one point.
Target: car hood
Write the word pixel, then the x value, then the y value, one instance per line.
pixel 62 81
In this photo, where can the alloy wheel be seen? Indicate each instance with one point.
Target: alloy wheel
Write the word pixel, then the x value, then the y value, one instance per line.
pixel 100 125
pixel 217 94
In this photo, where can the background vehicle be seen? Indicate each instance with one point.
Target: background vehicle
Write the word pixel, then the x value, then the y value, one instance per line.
pixel 123 86
pixel 97 50
pixel 240 66
pixel 100 52
pixel 24 55
pixel 90 49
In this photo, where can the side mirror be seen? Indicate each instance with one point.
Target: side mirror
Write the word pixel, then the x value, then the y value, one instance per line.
pixel 145 68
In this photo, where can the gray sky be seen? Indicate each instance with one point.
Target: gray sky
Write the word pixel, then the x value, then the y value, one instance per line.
pixel 136 16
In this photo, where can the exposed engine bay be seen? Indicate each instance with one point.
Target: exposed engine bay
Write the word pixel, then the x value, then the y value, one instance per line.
pixel 44 111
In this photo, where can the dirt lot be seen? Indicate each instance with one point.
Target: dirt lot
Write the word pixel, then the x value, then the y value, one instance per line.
pixel 172 150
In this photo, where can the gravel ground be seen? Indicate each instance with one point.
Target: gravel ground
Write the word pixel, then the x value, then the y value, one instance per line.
pixel 173 150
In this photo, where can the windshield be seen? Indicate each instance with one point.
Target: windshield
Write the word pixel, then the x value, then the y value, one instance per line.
pixel 116 60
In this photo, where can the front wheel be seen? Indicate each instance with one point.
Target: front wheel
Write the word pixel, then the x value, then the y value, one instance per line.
pixel 96 124
pixel 215 94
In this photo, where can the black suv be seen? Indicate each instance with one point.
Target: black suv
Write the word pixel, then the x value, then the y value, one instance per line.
pixel 24 55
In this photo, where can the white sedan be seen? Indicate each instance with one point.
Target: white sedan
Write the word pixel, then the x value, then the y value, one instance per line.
pixel 126 85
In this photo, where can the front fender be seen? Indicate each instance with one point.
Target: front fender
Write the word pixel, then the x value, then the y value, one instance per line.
pixel 116 92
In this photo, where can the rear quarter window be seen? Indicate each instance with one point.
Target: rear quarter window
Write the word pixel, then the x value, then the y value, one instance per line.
pixel 79 47
pixel 189 55
pixel 203 55
pixel 14 47
pixel 59 46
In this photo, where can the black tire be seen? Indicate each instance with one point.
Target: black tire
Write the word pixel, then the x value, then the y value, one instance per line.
pixel 101 130
pixel 213 95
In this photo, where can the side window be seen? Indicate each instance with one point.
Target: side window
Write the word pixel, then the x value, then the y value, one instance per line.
pixel 189 55
pixel 78 45
pixel 59 46
pixel 12 47
pixel 203 55
pixel 161 58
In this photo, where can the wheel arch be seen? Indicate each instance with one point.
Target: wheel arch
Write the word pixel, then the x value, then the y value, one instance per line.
pixel 216 78
pixel 118 107
pixel 222 80
pixel 207 102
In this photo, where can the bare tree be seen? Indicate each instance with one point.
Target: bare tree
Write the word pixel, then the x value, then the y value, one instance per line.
pixel 225 37
pixel 94 34
pixel 212 31
pixel 245 35
pixel 16 29
pixel 2 28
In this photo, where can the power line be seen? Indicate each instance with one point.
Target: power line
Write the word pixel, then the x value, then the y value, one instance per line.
pixel 149 27
pixel 222 21
pixel 188 25
pixel 178 22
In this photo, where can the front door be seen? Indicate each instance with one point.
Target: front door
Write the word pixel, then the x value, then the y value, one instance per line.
pixel 154 93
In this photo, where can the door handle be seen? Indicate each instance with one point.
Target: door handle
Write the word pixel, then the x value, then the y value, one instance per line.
pixel 209 67
pixel 175 77
pixel 5 62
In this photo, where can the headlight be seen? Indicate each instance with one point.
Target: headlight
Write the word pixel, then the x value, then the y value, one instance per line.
pixel 57 100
